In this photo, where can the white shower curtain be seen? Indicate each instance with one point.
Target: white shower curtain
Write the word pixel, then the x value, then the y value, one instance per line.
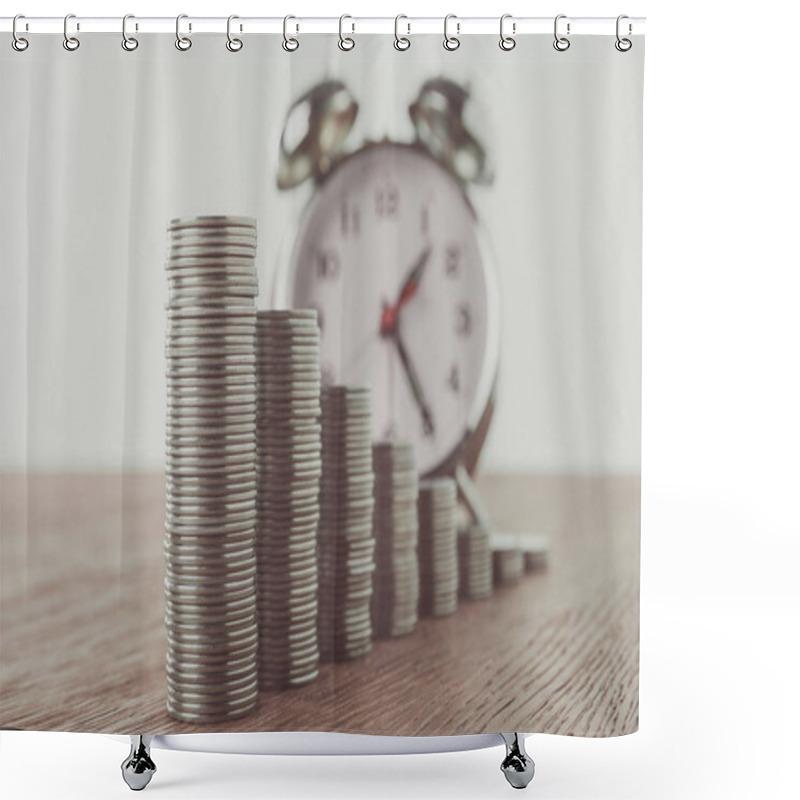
pixel 530 166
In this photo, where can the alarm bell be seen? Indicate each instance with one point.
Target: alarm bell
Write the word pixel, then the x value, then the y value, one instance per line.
pixel 437 117
pixel 316 126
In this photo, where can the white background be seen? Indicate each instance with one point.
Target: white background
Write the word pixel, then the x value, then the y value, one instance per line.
pixel 720 699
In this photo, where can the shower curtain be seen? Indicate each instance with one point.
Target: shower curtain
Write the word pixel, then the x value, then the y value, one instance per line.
pixel 420 269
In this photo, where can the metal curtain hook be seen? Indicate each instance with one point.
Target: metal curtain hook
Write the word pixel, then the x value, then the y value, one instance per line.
pixel 233 44
pixel 561 43
pixel 290 44
pixel 623 44
pixel 507 42
pixel 451 42
pixel 346 42
pixel 401 42
pixel 18 42
pixel 129 43
pixel 70 42
pixel 182 42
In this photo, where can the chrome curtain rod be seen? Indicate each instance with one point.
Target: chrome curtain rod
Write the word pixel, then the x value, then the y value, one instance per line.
pixel 460 26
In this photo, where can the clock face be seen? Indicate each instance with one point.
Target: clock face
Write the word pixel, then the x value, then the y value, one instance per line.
pixel 388 255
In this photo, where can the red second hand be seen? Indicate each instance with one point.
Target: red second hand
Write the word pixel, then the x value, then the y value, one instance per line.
pixel 389 313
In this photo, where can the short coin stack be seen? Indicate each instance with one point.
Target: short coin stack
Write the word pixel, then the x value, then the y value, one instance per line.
pixel 212 633
pixel 474 562
pixel 396 582
pixel 345 543
pixel 289 468
pixel 508 565
pixel 438 553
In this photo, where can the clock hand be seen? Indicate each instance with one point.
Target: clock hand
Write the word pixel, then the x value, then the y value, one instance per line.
pixel 409 288
pixel 411 283
pixel 416 388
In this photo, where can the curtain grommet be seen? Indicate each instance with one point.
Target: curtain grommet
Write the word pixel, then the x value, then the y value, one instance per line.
pixel 401 43
pixel 71 43
pixel 623 44
pixel 183 43
pixel 507 42
pixel 289 44
pixel 19 43
pixel 129 43
pixel 233 43
pixel 346 43
pixel 561 43
pixel 451 43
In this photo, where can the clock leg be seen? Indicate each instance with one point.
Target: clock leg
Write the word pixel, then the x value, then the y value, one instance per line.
pixel 517 766
pixel 470 497
pixel 138 768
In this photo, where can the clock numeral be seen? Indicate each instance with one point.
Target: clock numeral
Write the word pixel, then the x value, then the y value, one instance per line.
pixel 463 320
pixel 327 264
pixel 387 199
pixel 350 219
pixel 452 261
pixel 454 379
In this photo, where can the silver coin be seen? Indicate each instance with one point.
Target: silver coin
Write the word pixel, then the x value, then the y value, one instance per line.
pixel 214 239
pixel 226 221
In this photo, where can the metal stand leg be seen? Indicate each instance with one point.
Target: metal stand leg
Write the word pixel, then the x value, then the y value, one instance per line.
pixel 138 768
pixel 517 766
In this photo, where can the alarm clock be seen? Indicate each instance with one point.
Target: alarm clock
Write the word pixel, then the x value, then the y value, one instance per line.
pixel 390 253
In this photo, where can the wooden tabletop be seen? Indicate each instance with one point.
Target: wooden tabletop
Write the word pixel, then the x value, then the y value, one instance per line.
pixel 82 637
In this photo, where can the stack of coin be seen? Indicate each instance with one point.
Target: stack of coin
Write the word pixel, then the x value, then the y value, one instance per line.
pixel 395 602
pixel 212 632
pixel 345 542
pixel 438 553
pixel 508 564
pixel 536 550
pixel 289 468
pixel 535 561
pixel 474 562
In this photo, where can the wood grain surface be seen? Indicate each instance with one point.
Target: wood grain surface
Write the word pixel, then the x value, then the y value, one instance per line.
pixel 82 638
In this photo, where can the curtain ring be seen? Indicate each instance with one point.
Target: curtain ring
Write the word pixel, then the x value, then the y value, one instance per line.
pixel 290 44
pixel 401 42
pixel 129 43
pixel 70 42
pixel 18 42
pixel 181 42
pixel 233 44
pixel 623 44
pixel 346 42
pixel 451 42
pixel 507 42
pixel 561 43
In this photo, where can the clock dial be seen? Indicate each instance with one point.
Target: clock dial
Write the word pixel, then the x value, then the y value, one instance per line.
pixel 389 256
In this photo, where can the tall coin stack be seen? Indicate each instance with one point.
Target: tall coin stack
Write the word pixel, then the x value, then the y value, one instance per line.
pixel 395 602
pixel 474 562
pixel 345 543
pixel 289 468
pixel 438 553
pixel 212 632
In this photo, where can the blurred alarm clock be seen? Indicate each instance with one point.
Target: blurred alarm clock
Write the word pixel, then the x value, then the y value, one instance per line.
pixel 390 253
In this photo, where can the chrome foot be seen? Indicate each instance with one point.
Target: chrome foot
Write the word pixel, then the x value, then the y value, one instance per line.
pixel 517 766
pixel 138 768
